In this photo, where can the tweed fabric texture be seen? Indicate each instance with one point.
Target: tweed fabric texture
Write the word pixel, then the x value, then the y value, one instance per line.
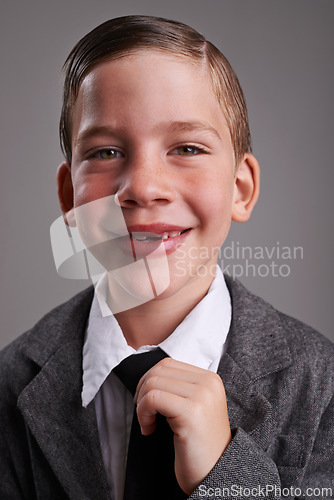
pixel 279 379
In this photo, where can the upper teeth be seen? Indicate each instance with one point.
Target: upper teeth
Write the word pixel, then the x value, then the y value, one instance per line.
pixel 172 234
pixel 155 237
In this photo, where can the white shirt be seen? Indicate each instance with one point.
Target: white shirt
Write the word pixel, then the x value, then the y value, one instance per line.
pixel 199 340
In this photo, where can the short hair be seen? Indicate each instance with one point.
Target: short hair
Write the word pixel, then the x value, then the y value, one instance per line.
pixel 121 36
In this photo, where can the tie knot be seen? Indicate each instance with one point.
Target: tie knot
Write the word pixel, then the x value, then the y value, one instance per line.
pixel 132 368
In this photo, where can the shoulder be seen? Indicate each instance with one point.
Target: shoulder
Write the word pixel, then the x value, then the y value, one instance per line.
pixel 267 340
pixel 22 359
pixel 302 338
pixel 252 309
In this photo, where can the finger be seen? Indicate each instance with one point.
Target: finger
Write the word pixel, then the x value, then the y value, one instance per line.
pixel 181 388
pixel 177 370
pixel 174 408
pixel 174 363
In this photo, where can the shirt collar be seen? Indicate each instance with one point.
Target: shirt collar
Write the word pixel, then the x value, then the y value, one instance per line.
pixel 198 340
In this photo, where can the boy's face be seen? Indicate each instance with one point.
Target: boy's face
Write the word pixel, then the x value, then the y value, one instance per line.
pixel 149 129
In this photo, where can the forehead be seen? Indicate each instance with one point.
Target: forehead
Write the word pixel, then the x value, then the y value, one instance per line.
pixel 145 88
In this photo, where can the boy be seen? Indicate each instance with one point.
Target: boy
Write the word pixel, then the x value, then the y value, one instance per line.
pixel 154 126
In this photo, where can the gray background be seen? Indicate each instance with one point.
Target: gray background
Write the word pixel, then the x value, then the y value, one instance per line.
pixel 282 52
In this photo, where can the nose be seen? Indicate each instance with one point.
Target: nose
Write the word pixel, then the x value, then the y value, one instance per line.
pixel 145 183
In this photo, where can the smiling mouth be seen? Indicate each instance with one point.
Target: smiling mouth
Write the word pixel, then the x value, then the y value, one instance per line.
pixel 149 237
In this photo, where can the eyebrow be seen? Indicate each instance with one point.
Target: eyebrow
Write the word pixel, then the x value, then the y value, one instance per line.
pixel 95 130
pixel 190 126
pixel 172 126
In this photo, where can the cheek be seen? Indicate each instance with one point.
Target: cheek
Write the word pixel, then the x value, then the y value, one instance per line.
pixel 217 215
pixel 89 188
pixel 214 200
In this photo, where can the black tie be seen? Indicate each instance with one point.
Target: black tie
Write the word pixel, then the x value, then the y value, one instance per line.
pixel 150 465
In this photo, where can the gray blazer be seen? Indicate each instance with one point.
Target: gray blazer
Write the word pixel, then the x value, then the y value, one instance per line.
pixel 278 375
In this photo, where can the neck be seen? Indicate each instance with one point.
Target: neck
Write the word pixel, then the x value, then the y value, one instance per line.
pixel 152 322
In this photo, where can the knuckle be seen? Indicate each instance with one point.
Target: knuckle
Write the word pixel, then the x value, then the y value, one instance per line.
pixel 217 382
pixel 152 397
pixel 157 369
pixel 151 382
pixel 164 362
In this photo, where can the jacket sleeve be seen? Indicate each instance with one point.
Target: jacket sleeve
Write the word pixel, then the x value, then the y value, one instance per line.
pixel 244 470
pixel 247 471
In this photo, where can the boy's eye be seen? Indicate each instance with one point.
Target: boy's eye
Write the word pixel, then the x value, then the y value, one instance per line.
pixel 107 154
pixel 187 150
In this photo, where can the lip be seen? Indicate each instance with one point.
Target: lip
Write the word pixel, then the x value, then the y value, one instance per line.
pixel 140 249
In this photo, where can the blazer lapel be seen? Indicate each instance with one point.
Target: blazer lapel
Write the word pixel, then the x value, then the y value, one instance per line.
pixel 51 406
pixel 256 347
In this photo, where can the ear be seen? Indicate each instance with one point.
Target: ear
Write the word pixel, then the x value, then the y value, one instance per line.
pixel 65 193
pixel 246 188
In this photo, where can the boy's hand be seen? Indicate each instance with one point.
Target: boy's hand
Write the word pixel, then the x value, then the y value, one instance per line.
pixel 193 401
